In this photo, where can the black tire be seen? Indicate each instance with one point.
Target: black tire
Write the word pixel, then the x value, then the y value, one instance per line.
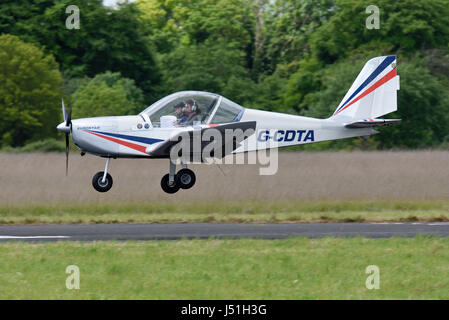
pixel 185 178
pixel 167 187
pixel 99 185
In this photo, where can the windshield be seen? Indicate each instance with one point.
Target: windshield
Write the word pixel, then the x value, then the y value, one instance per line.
pixel 182 109
pixel 228 111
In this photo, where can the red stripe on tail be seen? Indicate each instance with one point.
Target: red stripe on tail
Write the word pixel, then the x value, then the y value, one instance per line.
pixel 390 75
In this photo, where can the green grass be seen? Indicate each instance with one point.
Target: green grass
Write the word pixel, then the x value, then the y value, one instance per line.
pixel 227 212
pixel 296 268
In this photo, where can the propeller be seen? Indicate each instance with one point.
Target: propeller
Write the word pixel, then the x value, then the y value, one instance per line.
pixel 67 129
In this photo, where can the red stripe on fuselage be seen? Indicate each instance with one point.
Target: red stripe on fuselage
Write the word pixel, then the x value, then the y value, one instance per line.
pixel 123 143
pixel 390 75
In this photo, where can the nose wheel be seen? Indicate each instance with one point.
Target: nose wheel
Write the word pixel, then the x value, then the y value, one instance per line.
pixel 102 181
pixel 100 184
pixel 184 179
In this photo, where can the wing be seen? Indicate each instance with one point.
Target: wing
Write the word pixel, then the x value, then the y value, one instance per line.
pixel 372 123
pixel 204 136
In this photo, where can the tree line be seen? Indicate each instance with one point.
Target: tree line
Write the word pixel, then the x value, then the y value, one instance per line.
pixel 295 56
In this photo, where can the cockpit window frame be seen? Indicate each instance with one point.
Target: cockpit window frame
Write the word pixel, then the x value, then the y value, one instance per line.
pixel 217 105
pixel 161 103
pixel 217 99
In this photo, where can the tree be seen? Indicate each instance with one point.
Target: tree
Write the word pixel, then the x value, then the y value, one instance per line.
pixel 405 27
pixel 107 94
pixel 301 84
pixel 202 44
pixel 108 39
pixel 269 91
pixel 204 67
pixel 193 22
pixel 291 24
pixel 423 104
pixel 29 93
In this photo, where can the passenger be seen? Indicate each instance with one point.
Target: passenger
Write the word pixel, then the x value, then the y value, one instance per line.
pixel 180 113
pixel 192 111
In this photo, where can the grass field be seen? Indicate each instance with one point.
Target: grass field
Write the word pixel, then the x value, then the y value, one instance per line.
pixel 309 186
pixel 296 268
pixel 302 176
pixel 361 211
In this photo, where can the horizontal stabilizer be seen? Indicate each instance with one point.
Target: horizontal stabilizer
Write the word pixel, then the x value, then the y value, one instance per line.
pixel 372 123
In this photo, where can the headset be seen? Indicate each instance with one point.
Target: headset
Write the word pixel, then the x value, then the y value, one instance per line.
pixel 194 106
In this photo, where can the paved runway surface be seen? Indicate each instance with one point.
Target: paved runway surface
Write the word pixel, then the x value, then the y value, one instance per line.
pixel 94 232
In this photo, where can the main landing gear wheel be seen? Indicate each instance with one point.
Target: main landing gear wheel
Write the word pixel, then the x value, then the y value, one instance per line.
pixel 185 178
pixel 99 184
pixel 167 187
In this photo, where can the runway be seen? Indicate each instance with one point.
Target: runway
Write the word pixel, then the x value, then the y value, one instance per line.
pixel 173 231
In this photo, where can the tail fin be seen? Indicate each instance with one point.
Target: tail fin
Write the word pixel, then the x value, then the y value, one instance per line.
pixel 373 92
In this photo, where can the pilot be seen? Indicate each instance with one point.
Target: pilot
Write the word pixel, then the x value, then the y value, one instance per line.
pixel 180 113
pixel 192 111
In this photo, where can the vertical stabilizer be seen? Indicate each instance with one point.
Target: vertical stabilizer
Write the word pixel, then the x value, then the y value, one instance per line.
pixel 373 93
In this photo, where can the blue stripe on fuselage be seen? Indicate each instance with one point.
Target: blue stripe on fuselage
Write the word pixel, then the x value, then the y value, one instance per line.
pixel 132 138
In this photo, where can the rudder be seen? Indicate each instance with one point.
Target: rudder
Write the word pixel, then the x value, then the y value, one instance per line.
pixel 373 93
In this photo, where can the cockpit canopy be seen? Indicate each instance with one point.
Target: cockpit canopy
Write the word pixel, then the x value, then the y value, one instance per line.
pixel 187 108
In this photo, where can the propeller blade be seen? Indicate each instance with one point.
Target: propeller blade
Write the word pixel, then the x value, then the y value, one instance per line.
pixel 64 114
pixel 67 154
pixel 68 123
pixel 69 117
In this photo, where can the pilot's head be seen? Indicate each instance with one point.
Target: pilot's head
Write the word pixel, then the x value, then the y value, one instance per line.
pixel 191 106
pixel 179 108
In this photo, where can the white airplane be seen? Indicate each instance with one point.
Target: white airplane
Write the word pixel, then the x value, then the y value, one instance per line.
pixel 160 128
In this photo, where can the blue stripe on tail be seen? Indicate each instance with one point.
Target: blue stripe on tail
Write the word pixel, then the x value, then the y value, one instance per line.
pixel 372 76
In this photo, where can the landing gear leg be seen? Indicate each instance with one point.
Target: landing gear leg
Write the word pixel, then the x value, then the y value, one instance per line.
pixel 171 175
pixel 102 181
pixel 168 182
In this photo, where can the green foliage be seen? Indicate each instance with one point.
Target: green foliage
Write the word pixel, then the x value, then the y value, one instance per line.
pixel 202 44
pixel 196 67
pixel 46 145
pixel 186 22
pixel 29 92
pixel 300 84
pixel 106 95
pixel 333 84
pixel 423 105
pixel 405 25
pixel 269 91
pixel 291 24
pixel 107 39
